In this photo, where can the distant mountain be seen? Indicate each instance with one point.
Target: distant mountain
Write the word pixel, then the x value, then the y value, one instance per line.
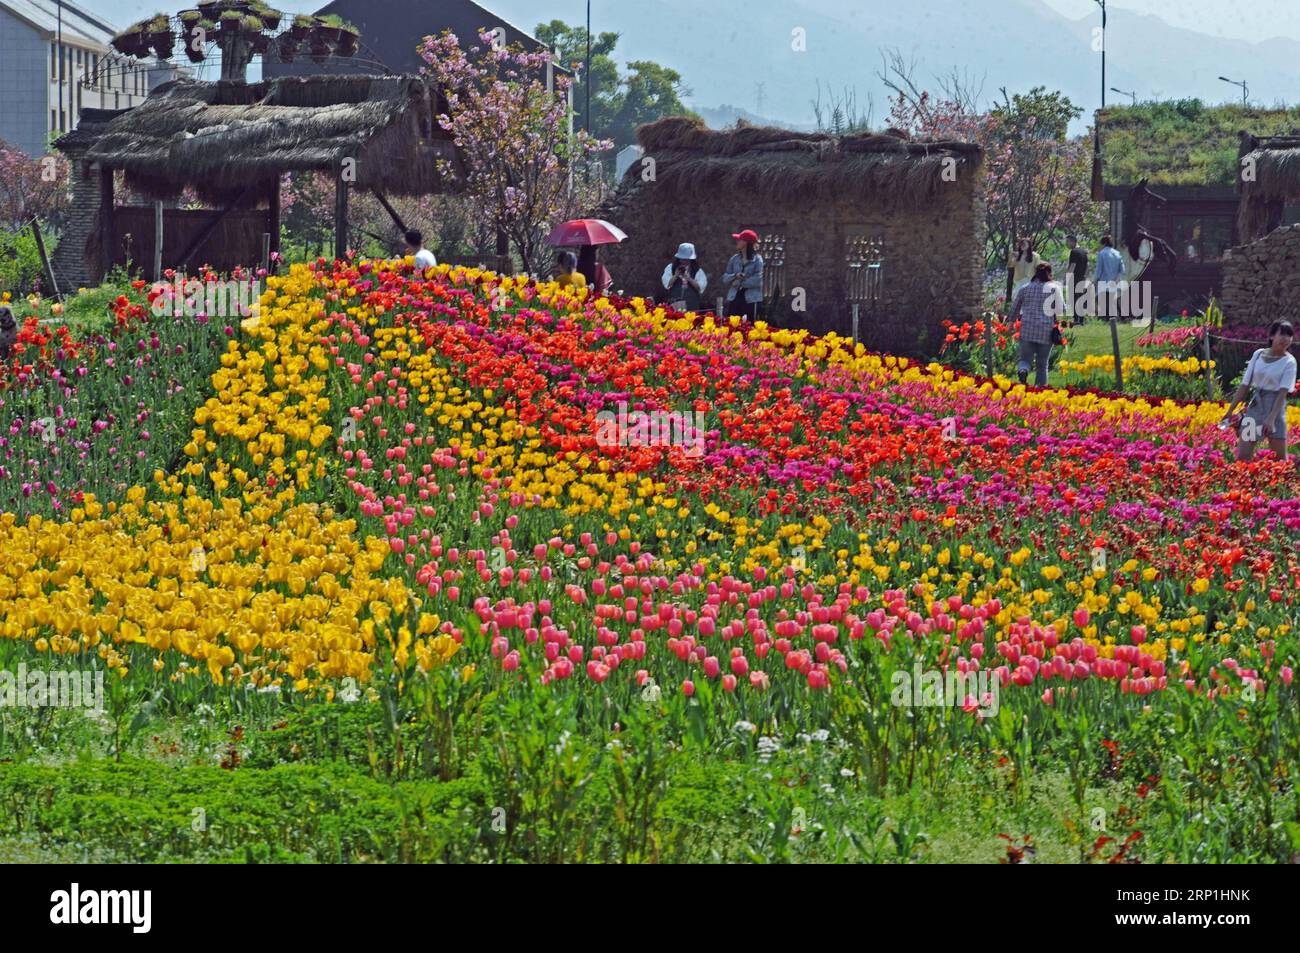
pixel 720 117
pixel 724 50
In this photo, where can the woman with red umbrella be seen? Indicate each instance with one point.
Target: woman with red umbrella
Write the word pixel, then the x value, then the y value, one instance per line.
pixel 586 234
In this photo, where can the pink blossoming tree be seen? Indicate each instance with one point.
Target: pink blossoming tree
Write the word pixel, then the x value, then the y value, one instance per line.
pixel 525 170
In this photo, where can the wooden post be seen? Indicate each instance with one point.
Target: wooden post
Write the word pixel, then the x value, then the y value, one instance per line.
pixel 273 218
pixel 1119 363
pixel 266 252
pixel 340 217
pixel 988 343
pixel 1209 377
pixel 157 240
pixel 45 259
pixel 107 241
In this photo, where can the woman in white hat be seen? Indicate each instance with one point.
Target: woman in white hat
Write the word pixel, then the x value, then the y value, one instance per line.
pixel 685 280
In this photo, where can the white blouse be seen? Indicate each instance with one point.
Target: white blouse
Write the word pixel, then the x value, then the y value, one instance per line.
pixel 1270 375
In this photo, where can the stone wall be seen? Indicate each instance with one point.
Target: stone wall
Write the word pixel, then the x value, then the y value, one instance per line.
pixel 72 265
pixel 933 254
pixel 1261 281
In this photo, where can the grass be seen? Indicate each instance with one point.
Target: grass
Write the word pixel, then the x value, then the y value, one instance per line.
pixel 84 310
pixel 1183 142
pixel 302 788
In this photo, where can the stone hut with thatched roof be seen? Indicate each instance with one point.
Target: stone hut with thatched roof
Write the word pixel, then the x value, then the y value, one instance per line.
pixel 889 223
pixel 1261 277
pixel 229 144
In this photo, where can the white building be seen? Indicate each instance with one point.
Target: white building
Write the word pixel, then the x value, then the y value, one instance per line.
pixel 55 60
pixel 627 156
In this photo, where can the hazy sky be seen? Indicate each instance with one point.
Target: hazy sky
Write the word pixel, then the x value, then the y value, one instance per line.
pixel 1237 19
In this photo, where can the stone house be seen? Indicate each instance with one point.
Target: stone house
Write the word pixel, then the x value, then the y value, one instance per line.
pixel 890 223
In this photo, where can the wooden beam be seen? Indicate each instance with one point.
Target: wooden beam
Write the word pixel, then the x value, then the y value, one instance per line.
pixel 45 259
pixel 340 216
pixel 397 219
pixel 273 218
pixel 107 241
pixel 157 240
pixel 203 236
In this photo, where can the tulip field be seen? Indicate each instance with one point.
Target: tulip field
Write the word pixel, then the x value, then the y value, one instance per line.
pixel 369 580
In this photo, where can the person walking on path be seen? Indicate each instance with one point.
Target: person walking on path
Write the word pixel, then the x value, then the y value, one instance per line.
pixel 743 278
pixel 1078 271
pixel 1110 269
pixel 1037 306
pixel 684 280
pixel 1271 376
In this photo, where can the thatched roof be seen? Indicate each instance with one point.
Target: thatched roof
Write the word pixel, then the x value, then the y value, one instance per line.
pixel 781 164
pixel 221 138
pixel 1270 180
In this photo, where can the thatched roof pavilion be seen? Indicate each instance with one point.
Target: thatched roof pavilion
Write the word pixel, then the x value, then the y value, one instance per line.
pixel 781 164
pixel 232 142
pixel 1269 181
pixel 223 138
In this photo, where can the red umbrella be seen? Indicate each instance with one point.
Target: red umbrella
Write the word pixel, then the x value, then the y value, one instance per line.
pixel 585 231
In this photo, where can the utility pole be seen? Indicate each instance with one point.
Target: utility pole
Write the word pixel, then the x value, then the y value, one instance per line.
pixel 587 71
pixel 758 95
pixel 1102 4
pixel 58 47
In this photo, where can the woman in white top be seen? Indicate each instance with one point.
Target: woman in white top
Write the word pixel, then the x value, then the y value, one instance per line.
pixel 1024 263
pixel 684 280
pixel 1271 375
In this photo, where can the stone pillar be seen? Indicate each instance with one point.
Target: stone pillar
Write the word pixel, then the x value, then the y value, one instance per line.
pixel 73 266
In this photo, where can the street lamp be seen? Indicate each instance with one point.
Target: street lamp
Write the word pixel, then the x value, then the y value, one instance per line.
pixel 1245 90
pixel 1125 92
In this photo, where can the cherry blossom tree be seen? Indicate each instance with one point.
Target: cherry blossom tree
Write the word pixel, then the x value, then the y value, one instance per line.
pixel 1037 177
pixel 523 168
pixel 30 189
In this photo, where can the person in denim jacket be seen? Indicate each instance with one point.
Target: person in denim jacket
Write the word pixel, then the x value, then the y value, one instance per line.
pixel 743 278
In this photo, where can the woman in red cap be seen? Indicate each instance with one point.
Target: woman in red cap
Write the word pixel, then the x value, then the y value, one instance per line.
pixel 743 278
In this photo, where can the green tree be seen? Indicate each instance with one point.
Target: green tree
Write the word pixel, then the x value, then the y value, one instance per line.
pixel 570 46
pixel 619 101
pixel 646 93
